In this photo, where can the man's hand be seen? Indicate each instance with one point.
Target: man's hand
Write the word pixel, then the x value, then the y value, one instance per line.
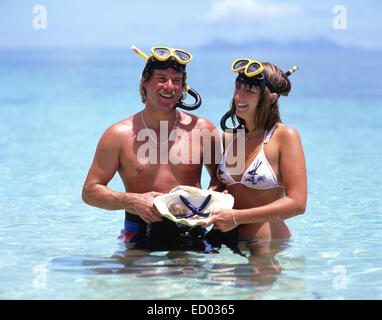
pixel 145 207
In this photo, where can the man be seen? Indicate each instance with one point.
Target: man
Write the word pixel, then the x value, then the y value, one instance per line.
pixel 121 148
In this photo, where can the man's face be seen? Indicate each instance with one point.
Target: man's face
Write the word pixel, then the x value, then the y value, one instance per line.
pixel 164 88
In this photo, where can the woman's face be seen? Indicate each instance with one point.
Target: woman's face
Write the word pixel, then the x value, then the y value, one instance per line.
pixel 246 99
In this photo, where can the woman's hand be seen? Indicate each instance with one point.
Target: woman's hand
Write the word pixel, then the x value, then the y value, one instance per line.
pixel 222 219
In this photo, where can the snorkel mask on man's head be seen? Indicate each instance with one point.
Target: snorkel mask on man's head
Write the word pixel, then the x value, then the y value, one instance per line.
pixel 252 73
pixel 163 58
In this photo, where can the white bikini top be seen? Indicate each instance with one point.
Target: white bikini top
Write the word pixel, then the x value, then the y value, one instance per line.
pixel 259 174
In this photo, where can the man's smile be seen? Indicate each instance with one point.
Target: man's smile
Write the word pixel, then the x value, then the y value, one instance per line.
pixel 166 94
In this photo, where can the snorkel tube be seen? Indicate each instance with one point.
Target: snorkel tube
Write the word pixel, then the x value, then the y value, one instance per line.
pixel 192 92
pixel 227 115
pixel 224 127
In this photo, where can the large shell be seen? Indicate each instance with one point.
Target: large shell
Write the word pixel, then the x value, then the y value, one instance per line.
pixel 171 202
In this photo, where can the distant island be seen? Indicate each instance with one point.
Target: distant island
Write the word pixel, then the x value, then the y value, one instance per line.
pixel 319 43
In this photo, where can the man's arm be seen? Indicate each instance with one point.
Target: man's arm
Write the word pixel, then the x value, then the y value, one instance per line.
pixel 105 164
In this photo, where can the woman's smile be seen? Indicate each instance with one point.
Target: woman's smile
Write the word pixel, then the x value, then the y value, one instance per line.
pixel 242 105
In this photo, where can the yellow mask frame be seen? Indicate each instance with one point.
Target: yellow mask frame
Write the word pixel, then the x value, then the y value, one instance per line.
pixel 251 67
pixel 165 53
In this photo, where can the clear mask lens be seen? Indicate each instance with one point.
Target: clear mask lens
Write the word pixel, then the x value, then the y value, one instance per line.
pixel 240 64
pixel 183 56
pixel 253 67
pixel 162 52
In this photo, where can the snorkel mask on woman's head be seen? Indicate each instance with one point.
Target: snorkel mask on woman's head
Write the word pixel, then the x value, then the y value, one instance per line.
pixel 251 72
pixel 163 58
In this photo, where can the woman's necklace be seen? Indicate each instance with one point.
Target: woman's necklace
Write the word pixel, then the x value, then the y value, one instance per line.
pixel 148 130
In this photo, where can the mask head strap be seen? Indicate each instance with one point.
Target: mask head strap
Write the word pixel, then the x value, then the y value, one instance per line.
pixel 260 80
pixel 153 63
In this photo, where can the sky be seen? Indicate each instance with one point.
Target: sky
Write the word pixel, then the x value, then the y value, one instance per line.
pixel 121 23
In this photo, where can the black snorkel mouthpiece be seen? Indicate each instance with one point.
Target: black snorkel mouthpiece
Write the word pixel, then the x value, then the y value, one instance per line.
pixel 260 80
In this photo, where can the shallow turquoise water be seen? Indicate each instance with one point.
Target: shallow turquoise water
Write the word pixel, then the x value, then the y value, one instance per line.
pixel 54 105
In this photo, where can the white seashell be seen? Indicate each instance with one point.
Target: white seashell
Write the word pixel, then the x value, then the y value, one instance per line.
pixel 196 197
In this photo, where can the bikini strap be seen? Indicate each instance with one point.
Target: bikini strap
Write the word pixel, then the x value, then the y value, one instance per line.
pixel 268 134
pixel 229 146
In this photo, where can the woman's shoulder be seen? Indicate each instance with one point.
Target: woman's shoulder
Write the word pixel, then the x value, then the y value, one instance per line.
pixel 284 131
pixel 286 135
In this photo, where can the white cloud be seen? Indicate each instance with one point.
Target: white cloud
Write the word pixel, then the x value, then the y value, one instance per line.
pixel 249 10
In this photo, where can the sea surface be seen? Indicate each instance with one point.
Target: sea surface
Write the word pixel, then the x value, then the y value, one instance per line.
pixel 56 103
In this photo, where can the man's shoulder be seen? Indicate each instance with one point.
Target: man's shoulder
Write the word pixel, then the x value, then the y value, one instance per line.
pixel 121 127
pixel 119 131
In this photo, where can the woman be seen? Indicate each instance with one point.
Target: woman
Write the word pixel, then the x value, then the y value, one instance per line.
pixel 272 187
